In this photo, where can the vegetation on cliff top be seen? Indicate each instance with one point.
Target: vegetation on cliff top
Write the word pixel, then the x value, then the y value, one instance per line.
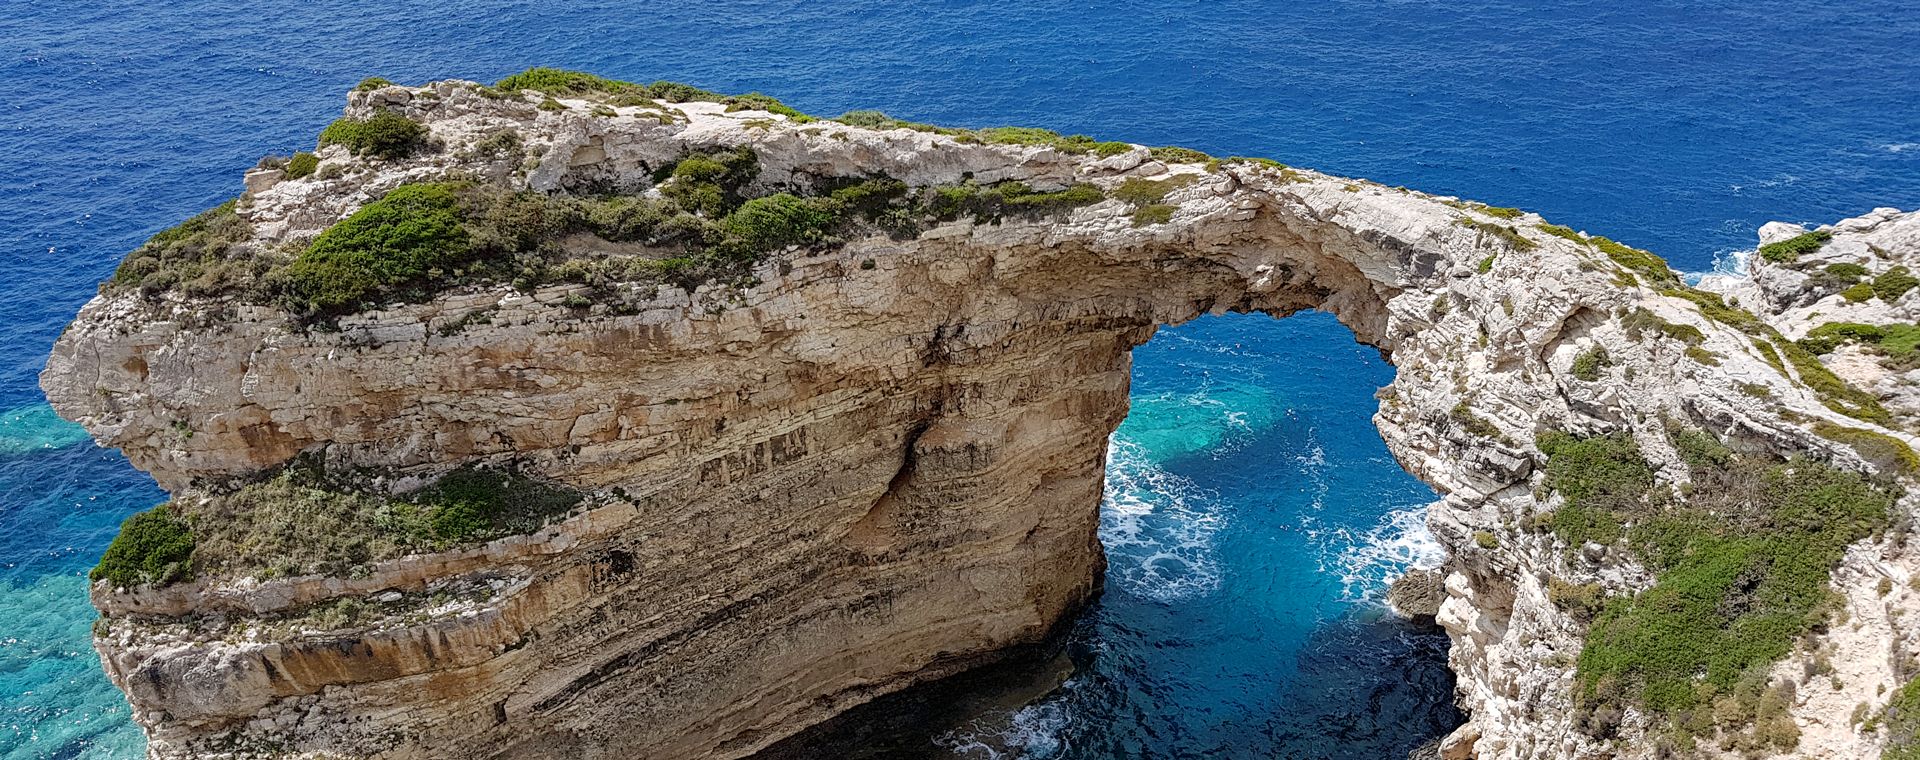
pixel 1742 560
pixel 420 239
pixel 1789 250
pixel 305 520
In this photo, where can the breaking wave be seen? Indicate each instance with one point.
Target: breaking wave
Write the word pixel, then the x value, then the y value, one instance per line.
pixel 1158 527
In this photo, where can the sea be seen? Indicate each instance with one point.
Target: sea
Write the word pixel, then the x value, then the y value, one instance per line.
pixel 1252 515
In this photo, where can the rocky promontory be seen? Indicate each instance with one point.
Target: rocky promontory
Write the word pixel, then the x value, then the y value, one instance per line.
pixel 567 417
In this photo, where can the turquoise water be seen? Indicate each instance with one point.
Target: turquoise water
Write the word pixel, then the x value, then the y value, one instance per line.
pixel 1679 129
pixel 1252 518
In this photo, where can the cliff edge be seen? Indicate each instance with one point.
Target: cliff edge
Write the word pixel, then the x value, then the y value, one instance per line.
pixel 568 417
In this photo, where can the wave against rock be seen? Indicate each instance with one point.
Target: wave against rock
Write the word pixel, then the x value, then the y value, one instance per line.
pixel 600 420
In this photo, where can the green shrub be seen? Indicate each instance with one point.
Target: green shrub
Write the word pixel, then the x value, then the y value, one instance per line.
pixel 1147 192
pixel 559 82
pixel 1827 337
pixel 153 547
pixel 1790 250
pixel 1741 565
pixel 1463 416
pixel 1716 309
pixel 385 135
pixel 1652 267
pixel 549 104
pixel 1886 452
pixel 372 83
pixel 1604 472
pixel 1835 393
pixel 1893 283
pixel 1177 155
pixel 1845 271
pixel 1486 540
pixel 1562 232
pixel 1157 213
pixel 1504 233
pixel 1858 293
pixel 1902 719
pixel 775 221
pixel 1485 266
pixel 1640 321
pixel 1589 363
pixel 1581 601
pixel 411 234
pixel 301 165
pixel 1051 139
pixel 710 183
pixel 991 203
pixel 1502 211
pixel 878 120
pixel 201 256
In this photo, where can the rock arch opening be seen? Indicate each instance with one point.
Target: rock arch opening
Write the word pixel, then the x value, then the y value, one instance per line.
pixel 1251 519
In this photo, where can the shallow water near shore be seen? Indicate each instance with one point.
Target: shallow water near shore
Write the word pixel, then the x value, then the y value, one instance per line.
pixel 1251 513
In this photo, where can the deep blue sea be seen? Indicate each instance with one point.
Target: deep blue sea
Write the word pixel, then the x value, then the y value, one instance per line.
pixel 1252 512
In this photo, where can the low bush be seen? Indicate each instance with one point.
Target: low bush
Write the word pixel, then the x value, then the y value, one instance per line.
pixel 1790 250
pixel 306 519
pixel 386 135
pixel 153 547
pixel 1649 266
pixel 1639 322
pixel 411 234
pixel 202 256
pixel 1902 721
pixel 1886 452
pixel 1589 363
pixel 1827 337
pixel 301 165
pixel 1177 155
pixel 1893 283
pixel 1501 232
pixel 1741 565
pixel 1858 293
pixel 1157 213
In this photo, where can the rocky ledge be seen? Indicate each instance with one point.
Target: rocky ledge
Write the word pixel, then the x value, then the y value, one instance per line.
pixel 575 418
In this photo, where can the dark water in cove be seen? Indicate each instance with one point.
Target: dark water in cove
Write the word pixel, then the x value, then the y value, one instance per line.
pixel 1252 512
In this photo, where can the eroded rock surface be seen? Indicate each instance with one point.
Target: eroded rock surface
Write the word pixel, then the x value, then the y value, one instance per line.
pixel 878 464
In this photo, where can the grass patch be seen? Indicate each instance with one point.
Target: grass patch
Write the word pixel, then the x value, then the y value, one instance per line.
pixel 1859 293
pixel 1146 192
pixel 1639 322
pixel 1886 452
pixel 153 547
pixel 1463 416
pixel 1893 283
pixel 1902 721
pixel 1790 250
pixel 386 135
pixel 1650 267
pixel 306 520
pixel 1158 213
pixel 1564 233
pixel 1833 392
pixel 1742 565
pixel 1501 232
pixel 1177 155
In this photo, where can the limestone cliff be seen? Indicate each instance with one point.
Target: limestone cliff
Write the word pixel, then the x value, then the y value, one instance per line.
pixel 863 461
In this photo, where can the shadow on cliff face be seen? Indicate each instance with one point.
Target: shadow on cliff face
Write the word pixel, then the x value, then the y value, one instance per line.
pixel 1369 685
pixel 1251 518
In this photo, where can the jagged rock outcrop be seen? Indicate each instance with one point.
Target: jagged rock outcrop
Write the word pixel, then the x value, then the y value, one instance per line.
pixel 870 464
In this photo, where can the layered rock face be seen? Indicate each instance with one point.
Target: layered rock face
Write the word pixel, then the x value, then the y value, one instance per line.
pixel 872 465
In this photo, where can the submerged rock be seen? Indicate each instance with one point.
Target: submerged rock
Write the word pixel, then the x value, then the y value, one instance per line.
pixel 1417 594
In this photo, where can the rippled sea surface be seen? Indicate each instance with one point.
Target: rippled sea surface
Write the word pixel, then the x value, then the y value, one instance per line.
pixel 1252 513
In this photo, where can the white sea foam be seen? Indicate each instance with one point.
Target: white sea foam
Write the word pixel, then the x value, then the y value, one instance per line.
pixel 1034 732
pixel 1901 147
pixel 1367 561
pixel 1159 528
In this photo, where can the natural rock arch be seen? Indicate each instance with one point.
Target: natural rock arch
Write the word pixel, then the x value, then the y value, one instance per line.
pixel 878 465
